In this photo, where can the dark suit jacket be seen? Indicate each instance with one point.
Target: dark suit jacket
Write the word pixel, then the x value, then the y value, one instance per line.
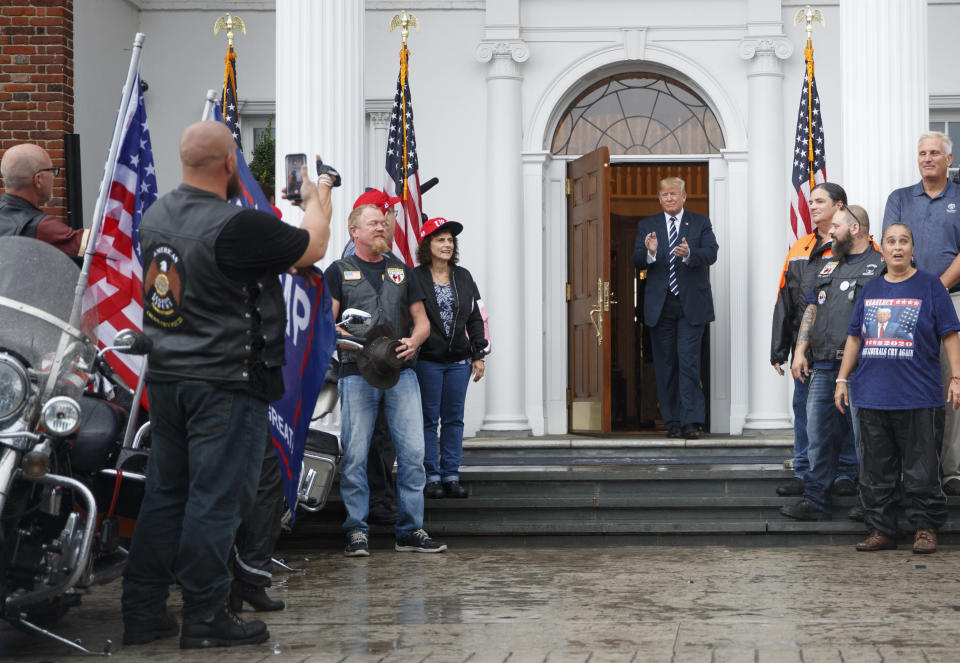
pixel 692 279
pixel 892 330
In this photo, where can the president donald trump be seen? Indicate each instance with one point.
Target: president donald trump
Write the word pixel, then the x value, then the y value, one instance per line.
pixel 676 248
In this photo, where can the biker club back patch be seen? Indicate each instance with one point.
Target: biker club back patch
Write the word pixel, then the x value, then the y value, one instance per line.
pixel 163 286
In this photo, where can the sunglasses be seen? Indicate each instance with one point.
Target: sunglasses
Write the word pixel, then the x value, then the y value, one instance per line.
pixel 52 169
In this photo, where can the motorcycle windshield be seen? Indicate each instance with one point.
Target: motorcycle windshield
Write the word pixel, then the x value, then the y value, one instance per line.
pixel 37 288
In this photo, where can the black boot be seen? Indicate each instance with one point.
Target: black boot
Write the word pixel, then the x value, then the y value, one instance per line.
pixel 224 629
pixel 256 596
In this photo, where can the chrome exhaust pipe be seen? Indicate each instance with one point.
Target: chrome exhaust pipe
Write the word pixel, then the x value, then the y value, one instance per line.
pixel 84 494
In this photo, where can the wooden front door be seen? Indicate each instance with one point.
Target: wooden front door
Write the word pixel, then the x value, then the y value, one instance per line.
pixel 589 294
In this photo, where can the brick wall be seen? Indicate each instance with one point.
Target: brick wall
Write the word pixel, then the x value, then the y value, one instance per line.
pixel 36 79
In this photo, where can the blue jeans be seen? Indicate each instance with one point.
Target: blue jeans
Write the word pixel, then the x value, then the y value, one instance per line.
pixel 358 412
pixel 832 450
pixel 443 388
pixel 801 464
pixel 206 451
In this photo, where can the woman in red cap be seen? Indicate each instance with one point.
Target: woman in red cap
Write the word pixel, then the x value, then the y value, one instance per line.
pixel 453 352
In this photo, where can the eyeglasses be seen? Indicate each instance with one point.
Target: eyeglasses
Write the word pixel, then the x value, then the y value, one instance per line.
pixel 52 169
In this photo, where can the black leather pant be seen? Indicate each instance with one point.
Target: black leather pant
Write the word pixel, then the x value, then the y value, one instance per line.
pixel 258 532
pixel 907 441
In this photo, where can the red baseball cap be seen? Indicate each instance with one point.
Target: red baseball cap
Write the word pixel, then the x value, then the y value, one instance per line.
pixel 376 197
pixel 433 225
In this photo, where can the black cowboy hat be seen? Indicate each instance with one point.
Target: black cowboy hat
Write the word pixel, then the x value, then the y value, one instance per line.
pixel 377 361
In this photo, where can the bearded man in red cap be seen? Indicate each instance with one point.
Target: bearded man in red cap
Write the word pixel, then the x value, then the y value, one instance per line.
pixel 383 487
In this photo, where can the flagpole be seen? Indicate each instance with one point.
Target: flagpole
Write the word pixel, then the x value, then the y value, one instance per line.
pixel 808 56
pixel 208 105
pixel 108 173
pixel 404 20
pixel 809 16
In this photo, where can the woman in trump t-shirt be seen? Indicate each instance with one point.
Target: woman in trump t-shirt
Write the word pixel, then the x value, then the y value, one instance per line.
pixel 894 342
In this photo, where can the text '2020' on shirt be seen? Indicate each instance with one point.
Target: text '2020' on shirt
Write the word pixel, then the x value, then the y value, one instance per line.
pixel 900 326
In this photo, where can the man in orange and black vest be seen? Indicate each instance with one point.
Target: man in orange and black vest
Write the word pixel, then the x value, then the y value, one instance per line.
pixel 796 281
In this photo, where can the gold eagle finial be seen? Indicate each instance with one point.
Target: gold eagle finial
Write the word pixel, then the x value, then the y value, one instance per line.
pixel 809 15
pixel 403 20
pixel 228 23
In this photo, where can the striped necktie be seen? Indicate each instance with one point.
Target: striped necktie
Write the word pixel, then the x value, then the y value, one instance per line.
pixel 673 259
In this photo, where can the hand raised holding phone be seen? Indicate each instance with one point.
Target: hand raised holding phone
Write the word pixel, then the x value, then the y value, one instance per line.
pixel 299 189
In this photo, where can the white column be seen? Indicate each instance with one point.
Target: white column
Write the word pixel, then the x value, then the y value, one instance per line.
pixel 505 293
pixel 884 99
pixel 535 294
pixel 379 124
pixel 768 177
pixel 319 80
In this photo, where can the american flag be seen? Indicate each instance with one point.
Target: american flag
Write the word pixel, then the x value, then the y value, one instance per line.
pixel 231 116
pixel 800 222
pixel 115 287
pixel 400 142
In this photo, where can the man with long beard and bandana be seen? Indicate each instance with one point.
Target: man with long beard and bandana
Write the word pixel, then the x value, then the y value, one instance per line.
pixel 386 288
pixel 214 309
pixel 823 330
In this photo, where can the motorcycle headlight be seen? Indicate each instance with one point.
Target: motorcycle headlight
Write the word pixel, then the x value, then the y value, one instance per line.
pixel 61 416
pixel 13 387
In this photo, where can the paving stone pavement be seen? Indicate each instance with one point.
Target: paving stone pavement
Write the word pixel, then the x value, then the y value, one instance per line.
pixel 583 603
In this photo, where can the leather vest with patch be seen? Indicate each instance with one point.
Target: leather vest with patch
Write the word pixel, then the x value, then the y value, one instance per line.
pixel 390 306
pixel 18 216
pixel 203 324
pixel 837 285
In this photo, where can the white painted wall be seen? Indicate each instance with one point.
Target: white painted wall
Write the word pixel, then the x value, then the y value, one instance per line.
pixel 103 39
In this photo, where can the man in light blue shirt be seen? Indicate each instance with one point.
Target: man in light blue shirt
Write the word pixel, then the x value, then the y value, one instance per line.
pixel 931 209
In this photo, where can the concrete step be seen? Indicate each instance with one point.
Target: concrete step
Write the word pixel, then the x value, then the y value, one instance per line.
pixel 715 493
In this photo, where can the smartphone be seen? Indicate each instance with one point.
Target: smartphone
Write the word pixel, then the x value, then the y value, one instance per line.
pixel 292 166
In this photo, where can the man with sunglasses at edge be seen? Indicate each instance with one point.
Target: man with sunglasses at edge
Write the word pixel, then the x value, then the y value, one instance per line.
pixel 28 174
pixel 823 331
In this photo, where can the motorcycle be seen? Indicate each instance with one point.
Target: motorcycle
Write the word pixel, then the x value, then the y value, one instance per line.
pixel 64 493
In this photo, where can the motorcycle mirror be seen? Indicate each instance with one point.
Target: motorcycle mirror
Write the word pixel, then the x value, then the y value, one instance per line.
pixel 132 342
pixel 354 316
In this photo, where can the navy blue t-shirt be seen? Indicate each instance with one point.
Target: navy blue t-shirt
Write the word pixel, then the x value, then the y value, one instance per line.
pixel 900 326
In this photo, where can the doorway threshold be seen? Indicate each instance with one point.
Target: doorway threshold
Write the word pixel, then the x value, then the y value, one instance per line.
pixel 645 442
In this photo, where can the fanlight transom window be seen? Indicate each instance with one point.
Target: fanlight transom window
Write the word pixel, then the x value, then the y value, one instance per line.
pixel 638 113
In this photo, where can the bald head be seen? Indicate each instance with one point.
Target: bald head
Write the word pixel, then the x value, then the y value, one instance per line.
pixel 203 145
pixel 20 164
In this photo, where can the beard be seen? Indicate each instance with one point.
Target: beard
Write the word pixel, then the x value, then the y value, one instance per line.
pixel 841 247
pixel 233 186
pixel 380 246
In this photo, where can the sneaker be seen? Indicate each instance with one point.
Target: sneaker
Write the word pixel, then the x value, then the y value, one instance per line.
pixel 164 627
pixel 418 541
pixel 804 510
pixel 224 629
pixel 357 545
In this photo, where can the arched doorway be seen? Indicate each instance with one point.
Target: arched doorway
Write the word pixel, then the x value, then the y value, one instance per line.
pixel 632 130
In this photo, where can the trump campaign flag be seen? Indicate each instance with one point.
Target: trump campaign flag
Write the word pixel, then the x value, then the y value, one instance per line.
pixel 310 332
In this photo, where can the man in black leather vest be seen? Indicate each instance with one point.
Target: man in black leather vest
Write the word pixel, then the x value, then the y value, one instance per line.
pixel 823 331
pixel 214 309
pixel 28 175
pixel 386 288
